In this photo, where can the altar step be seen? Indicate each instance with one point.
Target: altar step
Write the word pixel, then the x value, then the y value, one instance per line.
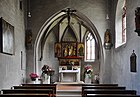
pixel 67 90
pixel 68 93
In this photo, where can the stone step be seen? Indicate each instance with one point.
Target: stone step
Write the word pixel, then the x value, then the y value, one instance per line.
pixel 69 90
pixel 68 93
pixel 68 96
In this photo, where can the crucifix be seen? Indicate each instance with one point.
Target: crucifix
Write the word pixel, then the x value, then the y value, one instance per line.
pixel 69 12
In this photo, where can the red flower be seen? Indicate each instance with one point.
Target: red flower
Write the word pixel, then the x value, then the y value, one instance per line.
pixel 87 67
pixel 34 75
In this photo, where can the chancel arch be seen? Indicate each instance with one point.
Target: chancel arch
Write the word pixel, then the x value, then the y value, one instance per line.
pixel 56 27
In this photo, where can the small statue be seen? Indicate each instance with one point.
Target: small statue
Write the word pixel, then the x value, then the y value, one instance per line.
pixel 81 51
pixel 107 36
pixel 70 50
pixel 65 51
pixel 107 39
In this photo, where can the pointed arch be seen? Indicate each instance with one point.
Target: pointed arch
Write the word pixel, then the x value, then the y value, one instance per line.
pixel 71 28
pixel 81 18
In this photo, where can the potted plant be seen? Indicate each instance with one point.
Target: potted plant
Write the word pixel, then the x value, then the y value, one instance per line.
pixel 88 73
pixel 33 76
pixel 46 69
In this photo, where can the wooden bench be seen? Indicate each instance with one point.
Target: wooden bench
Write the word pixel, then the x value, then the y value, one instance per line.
pixel 107 91
pixel 25 95
pixel 112 95
pixel 48 92
pixel 36 87
pixel 39 86
pixel 100 85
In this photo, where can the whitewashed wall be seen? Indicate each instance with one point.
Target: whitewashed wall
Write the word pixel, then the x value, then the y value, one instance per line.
pixel 10 65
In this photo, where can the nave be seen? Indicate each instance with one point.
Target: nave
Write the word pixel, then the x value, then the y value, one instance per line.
pixel 67 90
pixel 52 32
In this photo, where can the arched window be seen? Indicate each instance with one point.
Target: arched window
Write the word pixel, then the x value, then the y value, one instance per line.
pixel 89 48
pixel 120 23
pixel 124 23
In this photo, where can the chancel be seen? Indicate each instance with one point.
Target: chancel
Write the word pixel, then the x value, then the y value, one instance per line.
pixel 65 48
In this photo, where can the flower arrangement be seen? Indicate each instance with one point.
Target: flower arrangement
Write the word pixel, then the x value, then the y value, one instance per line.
pixel 33 76
pixel 47 70
pixel 88 71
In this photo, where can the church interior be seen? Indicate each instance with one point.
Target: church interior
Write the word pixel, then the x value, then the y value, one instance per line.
pixel 66 48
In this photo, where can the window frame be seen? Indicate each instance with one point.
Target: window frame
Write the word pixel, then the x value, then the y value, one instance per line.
pixel 91 48
pixel 120 24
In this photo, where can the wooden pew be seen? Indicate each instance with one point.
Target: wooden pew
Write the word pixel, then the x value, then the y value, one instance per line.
pixel 44 95
pixel 39 86
pixel 48 92
pixel 100 85
pixel 36 87
pixel 87 92
pixel 112 95
pixel 25 95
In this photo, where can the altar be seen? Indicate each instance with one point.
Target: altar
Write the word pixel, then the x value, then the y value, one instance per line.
pixel 69 60
pixel 69 69
pixel 69 75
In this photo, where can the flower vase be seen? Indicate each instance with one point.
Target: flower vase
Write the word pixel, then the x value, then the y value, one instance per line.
pixel 87 78
pixel 47 79
pixel 33 80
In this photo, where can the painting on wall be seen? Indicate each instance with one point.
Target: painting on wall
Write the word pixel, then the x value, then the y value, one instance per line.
pixel 28 39
pixel 69 49
pixel 80 49
pixel 6 37
pixel 137 19
pixel 57 49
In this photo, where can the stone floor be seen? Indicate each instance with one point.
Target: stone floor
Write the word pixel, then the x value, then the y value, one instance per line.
pixel 69 89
